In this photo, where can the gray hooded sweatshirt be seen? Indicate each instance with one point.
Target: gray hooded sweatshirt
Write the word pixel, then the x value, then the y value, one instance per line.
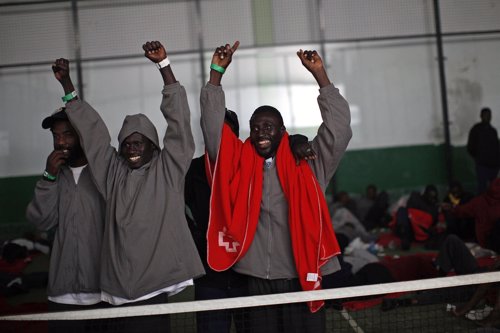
pixel 147 245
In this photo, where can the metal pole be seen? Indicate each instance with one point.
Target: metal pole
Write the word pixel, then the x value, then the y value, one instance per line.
pixel 321 22
pixel 333 187
pixel 78 50
pixel 200 43
pixel 444 96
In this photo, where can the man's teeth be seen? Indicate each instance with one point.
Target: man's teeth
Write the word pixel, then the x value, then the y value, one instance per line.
pixel 264 142
pixel 65 151
pixel 134 158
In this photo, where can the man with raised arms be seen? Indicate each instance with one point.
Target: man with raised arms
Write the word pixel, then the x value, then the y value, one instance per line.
pixel 148 252
pixel 269 218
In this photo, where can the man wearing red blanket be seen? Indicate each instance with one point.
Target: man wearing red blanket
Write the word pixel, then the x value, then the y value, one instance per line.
pixel 268 218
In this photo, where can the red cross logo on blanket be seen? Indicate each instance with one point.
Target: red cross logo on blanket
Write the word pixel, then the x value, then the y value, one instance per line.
pixel 227 242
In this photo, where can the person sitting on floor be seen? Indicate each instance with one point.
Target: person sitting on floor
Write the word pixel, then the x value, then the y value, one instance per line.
pixel 372 208
pixel 418 219
pixel 484 209
pixel 462 227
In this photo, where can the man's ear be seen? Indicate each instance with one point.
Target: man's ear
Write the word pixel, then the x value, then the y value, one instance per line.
pixel 282 130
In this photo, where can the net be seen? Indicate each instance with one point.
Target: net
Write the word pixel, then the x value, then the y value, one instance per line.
pixel 410 306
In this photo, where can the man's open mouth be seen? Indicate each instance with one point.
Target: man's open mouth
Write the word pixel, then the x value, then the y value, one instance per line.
pixel 134 159
pixel 263 143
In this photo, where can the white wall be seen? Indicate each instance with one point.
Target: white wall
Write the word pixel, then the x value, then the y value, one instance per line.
pixel 392 86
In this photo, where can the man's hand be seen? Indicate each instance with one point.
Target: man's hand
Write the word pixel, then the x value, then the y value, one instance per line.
pixel 61 70
pixel 224 54
pixel 311 60
pixel 54 162
pixel 304 151
pixel 314 64
pixel 301 148
pixel 154 51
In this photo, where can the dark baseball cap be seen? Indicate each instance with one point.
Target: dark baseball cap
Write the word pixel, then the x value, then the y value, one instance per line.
pixel 59 114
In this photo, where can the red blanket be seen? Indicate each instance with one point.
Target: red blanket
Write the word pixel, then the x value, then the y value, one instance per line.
pixel 235 207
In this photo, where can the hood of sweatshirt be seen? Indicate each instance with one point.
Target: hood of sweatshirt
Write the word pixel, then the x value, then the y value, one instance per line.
pixel 141 124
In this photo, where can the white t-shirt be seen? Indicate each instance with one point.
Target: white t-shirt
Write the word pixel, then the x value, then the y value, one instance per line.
pixel 77 171
pixel 172 290
pixel 77 299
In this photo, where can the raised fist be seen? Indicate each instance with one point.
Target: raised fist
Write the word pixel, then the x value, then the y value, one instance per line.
pixel 61 69
pixel 311 60
pixel 154 51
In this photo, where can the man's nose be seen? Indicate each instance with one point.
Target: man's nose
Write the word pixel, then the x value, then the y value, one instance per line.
pixel 265 130
pixel 131 149
pixel 60 142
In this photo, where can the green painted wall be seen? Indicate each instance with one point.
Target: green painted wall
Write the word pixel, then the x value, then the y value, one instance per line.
pixel 391 169
pixel 15 194
pixel 401 168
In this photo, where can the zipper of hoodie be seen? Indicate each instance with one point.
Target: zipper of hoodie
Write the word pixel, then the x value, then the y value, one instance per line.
pixel 74 229
pixel 270 233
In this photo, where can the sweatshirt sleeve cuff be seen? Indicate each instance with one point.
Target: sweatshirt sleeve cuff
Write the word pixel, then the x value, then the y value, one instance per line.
pixel 171 87
pixel 328 89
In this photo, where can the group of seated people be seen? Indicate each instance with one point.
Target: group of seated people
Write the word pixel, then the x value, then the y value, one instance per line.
pixel 457 231
pixel 419 216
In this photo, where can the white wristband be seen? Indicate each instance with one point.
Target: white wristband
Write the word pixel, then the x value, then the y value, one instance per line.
pixel 162 64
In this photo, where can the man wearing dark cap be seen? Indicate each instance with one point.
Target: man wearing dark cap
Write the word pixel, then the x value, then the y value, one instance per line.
pixel 148 252
pixel 67 199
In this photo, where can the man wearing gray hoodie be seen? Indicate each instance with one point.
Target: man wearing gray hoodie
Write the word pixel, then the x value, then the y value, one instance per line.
pixel 148 253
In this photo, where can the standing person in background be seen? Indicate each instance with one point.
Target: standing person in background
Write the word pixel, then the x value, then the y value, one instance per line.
pixel 66 199
pixel 269 218
pixel 484 147
pixel 148 253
